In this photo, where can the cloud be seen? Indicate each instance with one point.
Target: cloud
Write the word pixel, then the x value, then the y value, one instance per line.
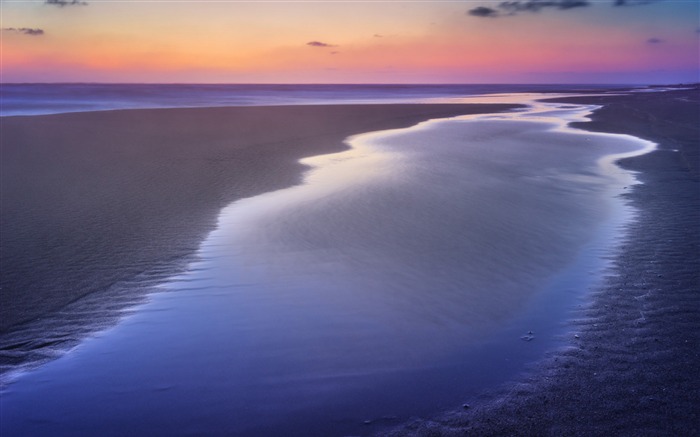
pixel 62 3
pixel 633 2
pixel 319 44
pixel 376 35
pixel 517 6
pixel 654 41
pixel 513 7
pixel 482 11
pixel 24 30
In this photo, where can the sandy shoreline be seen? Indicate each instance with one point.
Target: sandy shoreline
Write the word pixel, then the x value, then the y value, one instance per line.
pixel 632 362
pixel 94 200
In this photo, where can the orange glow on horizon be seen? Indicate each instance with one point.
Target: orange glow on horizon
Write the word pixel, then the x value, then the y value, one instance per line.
pixel 420 42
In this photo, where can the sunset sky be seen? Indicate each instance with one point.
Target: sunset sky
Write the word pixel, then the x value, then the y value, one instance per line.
pixel 537 41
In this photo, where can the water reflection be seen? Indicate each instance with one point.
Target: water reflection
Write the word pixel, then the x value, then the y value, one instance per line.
pixel 396 280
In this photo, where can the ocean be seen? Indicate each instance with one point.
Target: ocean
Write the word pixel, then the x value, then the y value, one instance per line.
pixel 401 278
pixel 35 99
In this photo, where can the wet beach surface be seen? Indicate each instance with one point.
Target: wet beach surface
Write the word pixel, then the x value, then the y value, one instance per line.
pixel 97 207
pixel 629 370
pixel 632 358
pixel 423 265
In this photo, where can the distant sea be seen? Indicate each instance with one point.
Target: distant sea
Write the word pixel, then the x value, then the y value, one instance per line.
pixel 36 99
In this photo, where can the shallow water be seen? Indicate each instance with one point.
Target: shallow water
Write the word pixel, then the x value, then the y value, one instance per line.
pixel 398 280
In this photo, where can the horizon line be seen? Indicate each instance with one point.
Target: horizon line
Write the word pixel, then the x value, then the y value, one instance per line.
pixel 355 83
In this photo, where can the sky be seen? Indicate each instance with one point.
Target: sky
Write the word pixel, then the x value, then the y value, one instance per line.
pixel 469 41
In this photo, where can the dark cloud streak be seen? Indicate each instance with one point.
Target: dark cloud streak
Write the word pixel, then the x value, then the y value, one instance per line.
pixel 654 41
pixel 509 8
pixel 319 44
pixel 24 30
pixel 482 11
pixel 633 2
pixel 515 7
pixel 62 3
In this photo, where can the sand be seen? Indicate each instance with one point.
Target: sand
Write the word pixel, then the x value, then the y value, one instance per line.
pixel 97 206
pixel 93 199
pixel 631 363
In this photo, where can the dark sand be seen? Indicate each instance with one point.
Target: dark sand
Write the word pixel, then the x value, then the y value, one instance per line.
pixel 95 206
pixel 632 362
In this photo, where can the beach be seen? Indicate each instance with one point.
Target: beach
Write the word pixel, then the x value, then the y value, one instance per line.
pixel 631 360
pixel 100 208
pixel 92 199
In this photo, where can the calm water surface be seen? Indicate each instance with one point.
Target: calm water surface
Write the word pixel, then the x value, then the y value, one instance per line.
pixel 397 281
pixel 33 99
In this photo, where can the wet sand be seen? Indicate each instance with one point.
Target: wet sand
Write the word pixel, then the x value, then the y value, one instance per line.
pixel 74 222
pixel 632 358
pixel 96 206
